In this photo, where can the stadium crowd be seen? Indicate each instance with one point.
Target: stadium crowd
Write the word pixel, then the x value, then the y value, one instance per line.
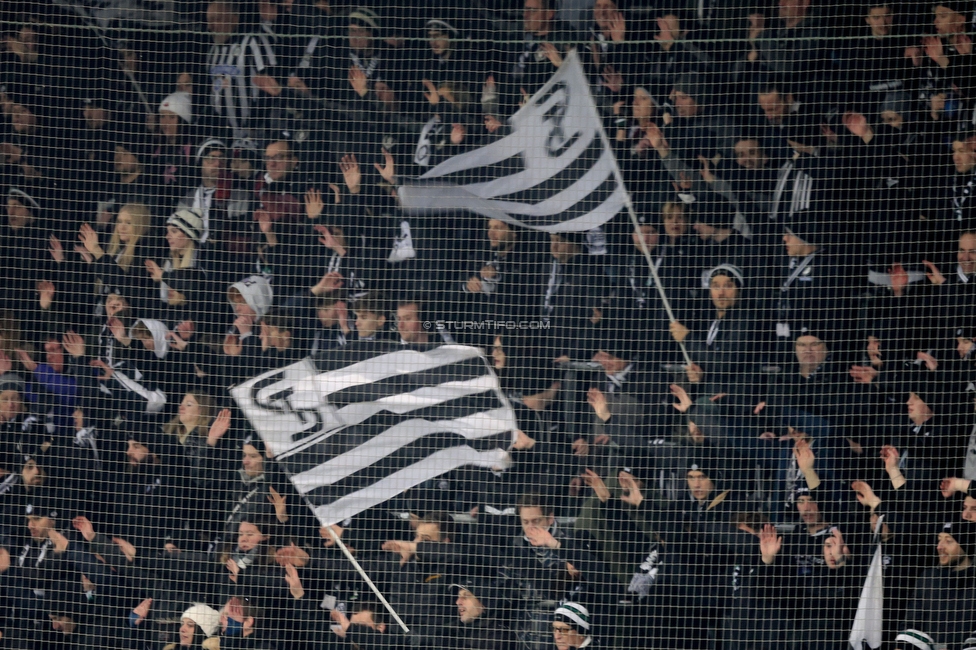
pixel 198 192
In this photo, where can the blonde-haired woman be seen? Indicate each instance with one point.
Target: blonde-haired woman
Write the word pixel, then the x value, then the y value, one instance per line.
pixel 184 230
pixel 111 270
pixel 199 434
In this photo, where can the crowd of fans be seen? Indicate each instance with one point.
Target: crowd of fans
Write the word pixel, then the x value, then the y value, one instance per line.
pixel 721 454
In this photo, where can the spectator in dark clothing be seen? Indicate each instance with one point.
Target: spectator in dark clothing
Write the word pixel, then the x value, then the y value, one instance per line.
pixel 570 298
pixel 944 596
pixel 725 349
pixel 546 565
pixel 479 623
pixel 527 65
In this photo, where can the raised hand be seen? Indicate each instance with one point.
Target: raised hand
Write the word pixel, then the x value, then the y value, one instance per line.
pixel 594 480
pixel 553 54
pixel 865 494
pixel 313 203
pixel 351 173
pixel 291 555
pixel 618 27
pixel 294 582
pixel 891 458
pixel 89 239
pixel 932 273
pixel 430 92
pixel 680 394
pixel 26 360
pixel 155 272
pixel 278 501
pixel 770 543
pixel 56 249
pixel 952 485
pixel 128 550
pixel 45 290
pixel 117 328
pixel 84 526
pixel 522 441
pixel 73 344
pixel 388 169
pixel 804 455
pixel 59 540
pixel 863 374
pixel 142 610
pixel 598 402
pixel 327 537
pixel 219 427
pixel 106 369
pixel 358 80
pixel 930 362
pixel 631 490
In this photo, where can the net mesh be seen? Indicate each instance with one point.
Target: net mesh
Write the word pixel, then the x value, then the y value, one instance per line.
pixel 487 324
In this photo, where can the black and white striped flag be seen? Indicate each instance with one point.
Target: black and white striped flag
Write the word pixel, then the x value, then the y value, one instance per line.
pixel 363 423
pixel 554 172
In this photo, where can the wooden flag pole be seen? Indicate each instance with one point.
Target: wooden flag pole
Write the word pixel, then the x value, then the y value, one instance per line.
pixel 640 238
pixel 366 577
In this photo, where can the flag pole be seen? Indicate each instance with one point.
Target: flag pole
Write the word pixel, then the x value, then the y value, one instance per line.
pixel 365 577
pixel 640 238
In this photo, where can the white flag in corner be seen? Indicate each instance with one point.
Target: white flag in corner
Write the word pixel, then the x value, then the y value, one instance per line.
pixel 554 172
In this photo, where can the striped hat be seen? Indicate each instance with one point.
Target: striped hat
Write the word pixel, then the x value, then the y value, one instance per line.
pixel 729 270
pixel 211 143
pixel 920 640
pixel 970 642
pixel 365 17
pixel 190 221
pixel 575 615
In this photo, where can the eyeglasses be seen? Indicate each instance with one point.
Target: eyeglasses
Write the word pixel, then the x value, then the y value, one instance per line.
pixel 811 346
pixel 279 157
pixel 561 629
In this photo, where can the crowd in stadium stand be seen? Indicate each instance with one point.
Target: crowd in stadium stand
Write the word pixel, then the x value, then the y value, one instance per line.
pixel 200 192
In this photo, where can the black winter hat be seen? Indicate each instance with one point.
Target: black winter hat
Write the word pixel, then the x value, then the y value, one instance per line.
pixel 964 532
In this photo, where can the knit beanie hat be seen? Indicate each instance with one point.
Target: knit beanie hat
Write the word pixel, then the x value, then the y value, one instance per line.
pixel 210 144
pixel 481 589
pixel 24 197
pixel 179 103
pixel 729 270
pixel 190 221
pixel 964 532
pixel 207 618
pixel 365 17
pixel 574 614
pixel 43 504
pixel 11 381
pixel 920 640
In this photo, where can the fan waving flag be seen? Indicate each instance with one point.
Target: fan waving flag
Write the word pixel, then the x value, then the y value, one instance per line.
pixel 554 172
pixel 362 424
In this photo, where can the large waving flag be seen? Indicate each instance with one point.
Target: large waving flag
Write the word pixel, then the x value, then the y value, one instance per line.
pixel 554 172
pixel 364 423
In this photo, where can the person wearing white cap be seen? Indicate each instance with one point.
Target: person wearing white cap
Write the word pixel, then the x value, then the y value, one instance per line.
pixel 197 623
pixel 177 106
